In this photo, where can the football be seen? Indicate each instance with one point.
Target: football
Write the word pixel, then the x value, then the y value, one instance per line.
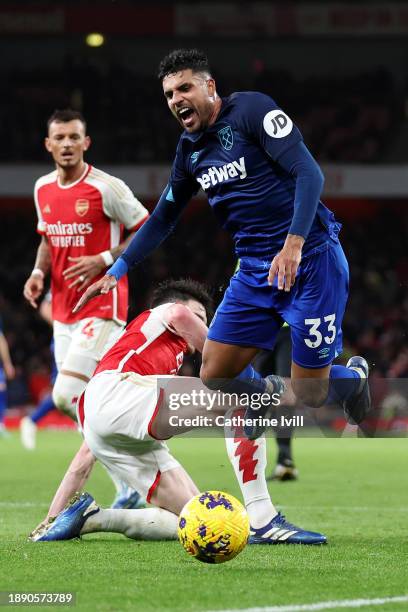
pixel 213 527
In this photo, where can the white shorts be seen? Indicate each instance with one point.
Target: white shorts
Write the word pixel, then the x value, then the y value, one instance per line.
pixel 80 346
pixel 117 413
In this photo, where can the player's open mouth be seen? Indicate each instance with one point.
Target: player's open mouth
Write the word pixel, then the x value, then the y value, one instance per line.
pixel 186 115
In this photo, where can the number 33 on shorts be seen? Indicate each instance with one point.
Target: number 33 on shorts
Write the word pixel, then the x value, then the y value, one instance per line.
pixel 321 330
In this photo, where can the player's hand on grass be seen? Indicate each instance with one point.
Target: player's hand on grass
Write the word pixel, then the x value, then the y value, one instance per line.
pixel 83 270
pixel 286 263
pixel 103 285
pixel 33 288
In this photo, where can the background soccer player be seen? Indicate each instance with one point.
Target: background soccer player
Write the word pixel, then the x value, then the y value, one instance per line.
pixel 81 212
pixel 264 186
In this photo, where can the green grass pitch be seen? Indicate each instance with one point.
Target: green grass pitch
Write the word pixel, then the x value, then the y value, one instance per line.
pixel 353 490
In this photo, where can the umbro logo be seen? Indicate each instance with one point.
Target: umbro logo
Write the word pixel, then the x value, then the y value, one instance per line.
pixel 194 156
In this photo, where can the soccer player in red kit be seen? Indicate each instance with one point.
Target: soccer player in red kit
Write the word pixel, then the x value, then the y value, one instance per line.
pixel 81 215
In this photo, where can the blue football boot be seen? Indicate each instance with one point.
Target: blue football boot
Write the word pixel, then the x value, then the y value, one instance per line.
pixel 253 430
pixel 358 405
pixel 280 531
pixel 69 522
pixel 128 499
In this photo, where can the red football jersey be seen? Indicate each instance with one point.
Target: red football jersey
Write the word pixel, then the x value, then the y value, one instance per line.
pixel 146 347
pixel 85 218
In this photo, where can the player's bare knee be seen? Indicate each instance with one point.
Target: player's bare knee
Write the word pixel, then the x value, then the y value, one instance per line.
pixel 61 400
pixel 214 377
pixel 312 392
pixel 66 392
pixel 175 489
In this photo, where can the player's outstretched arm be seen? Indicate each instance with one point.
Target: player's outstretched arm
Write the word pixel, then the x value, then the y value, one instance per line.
pixel 74 480
pixel 83 269
pixel 103 285
pixel 145 241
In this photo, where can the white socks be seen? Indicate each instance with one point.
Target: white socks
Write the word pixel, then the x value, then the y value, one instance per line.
pixel 248 458
pixel 143 524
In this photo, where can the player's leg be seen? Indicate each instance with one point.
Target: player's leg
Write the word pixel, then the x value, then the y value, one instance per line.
pixel 169 490
pixel 317 338
pixel 248 458
pixel 268 526
pixel 28 424
pixel 115 413
pixel 174 489
pixel 83 516
pixel 62 397
pixel 243 324
pixel 227 353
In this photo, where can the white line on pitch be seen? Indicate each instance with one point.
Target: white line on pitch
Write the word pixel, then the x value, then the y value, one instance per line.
pixel 324 605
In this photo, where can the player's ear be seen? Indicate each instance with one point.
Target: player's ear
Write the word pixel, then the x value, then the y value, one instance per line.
pixel 47 144
pixel 87 143
pixel 211 87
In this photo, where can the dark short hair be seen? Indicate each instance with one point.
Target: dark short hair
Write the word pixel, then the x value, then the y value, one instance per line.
pixel 65 115
pixel 182 290
pixel 183 59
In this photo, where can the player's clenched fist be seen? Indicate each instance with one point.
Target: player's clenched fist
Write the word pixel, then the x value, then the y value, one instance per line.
pixel 33 288
pixel 103 285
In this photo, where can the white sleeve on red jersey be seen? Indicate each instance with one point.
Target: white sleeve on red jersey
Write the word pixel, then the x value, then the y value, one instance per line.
pixel 43 180
pixel 119 203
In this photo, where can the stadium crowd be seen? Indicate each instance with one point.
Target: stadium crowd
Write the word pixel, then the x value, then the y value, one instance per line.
pixel 342 119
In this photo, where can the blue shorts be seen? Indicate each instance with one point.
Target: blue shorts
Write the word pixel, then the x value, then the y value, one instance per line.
pixel 251 312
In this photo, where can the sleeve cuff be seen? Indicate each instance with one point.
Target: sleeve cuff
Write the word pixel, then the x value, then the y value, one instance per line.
pixel 118 269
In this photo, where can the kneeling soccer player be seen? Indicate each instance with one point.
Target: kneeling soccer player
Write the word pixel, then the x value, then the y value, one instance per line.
pixel 119 416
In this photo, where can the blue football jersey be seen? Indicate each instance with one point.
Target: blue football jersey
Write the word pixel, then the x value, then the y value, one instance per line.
pixel 236 163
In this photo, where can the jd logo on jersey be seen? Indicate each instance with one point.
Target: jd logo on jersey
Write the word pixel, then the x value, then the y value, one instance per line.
pixel 276 124
pixel 81 207
pixel 226 137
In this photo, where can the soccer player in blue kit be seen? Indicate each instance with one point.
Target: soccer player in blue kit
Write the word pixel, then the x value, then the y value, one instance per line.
pixel 264 186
